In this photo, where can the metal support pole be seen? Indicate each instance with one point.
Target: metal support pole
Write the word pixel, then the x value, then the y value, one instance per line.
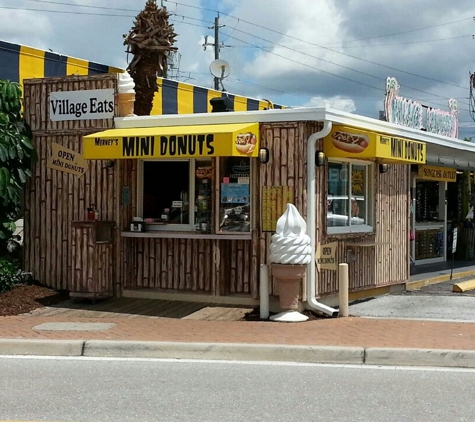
pixel 343 290
pixel 264 292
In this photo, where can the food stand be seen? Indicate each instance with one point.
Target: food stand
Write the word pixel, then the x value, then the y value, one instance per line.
pixel 208 207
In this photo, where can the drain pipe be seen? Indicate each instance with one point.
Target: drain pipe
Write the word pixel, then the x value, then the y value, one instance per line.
pixel 311 216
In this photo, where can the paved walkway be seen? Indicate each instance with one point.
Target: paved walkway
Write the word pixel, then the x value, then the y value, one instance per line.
pixel 439 343
pixel 352 331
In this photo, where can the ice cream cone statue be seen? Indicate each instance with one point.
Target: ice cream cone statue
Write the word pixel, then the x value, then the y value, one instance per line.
pixel 126 95
pixel 290 253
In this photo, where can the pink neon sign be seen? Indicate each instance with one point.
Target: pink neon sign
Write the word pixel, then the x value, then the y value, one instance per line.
pixel 410 113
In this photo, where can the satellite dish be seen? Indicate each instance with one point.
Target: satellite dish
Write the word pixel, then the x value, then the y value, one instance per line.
pixel 220 69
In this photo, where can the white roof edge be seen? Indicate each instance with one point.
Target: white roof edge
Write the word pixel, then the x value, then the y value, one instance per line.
pixel 319 114
pixel 274 115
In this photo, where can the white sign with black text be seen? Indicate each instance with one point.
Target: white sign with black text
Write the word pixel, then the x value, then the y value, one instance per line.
pixel 81 105
pixel 454 240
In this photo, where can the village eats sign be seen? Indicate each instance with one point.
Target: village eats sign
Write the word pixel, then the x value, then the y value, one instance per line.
pixel 81 105
pixel 410 113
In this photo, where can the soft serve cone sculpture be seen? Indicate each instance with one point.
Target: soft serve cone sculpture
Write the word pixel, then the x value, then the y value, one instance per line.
pixel 290 253
pixel 126 96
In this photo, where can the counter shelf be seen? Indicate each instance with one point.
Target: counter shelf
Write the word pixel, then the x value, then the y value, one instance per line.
pixel 185 235
pixel 366 244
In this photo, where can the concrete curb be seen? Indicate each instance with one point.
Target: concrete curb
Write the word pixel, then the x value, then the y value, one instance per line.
pixel 242 352
pixel 416 285
pixel 41 347
pixel 421 357
pixel 226 351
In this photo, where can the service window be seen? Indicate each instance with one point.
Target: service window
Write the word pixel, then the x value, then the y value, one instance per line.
pixel 176 194
pixel 183 195
pixel 349 201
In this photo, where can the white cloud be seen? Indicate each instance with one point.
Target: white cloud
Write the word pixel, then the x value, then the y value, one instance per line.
pixel 389 38
pixel 38 27
pixel 337 103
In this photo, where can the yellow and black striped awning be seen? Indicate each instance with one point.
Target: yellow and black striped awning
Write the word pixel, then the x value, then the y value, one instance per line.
pixel 19 62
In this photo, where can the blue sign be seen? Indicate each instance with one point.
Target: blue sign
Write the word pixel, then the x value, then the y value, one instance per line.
pixel 234 193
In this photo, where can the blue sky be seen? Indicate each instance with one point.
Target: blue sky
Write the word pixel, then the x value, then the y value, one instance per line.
pixel 301 53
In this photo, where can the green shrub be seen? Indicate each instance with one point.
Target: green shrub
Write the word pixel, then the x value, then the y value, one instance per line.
pixel 10 274
pixel 16 157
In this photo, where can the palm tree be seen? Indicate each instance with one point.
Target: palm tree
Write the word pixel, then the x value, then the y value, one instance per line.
pixel 150 41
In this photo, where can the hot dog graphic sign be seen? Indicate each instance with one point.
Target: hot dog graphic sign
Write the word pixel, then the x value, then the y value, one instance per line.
pixel 348 142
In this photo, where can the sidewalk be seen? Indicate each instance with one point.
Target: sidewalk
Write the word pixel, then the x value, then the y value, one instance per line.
pixel 352 340
pixel 339 340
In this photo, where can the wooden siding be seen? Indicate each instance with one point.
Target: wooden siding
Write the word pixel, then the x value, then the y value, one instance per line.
pixel 287 144
pixel 213 266
pixel 53 199
pixel 91 260
pixel 385 263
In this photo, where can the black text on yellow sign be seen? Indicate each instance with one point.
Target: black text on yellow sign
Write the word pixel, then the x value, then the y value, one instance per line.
pixel 404 149
pixel 163 146
pixel 437 173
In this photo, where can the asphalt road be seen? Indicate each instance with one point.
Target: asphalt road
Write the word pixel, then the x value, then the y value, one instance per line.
pixel 433 302
pixel 67 389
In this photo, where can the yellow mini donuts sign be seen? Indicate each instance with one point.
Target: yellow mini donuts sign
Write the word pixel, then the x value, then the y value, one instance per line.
pixel 228 140
pixel 348 142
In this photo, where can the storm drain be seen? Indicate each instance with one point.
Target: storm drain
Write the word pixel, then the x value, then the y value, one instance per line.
pixel 73 326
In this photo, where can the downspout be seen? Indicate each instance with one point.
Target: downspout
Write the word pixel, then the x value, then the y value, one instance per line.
pixel 311 217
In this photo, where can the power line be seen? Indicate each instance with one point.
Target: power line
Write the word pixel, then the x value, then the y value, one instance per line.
pixel 336 64
pixel 369 45
pixel 66 12
pixel 347 55
pixel 265 28
pixel 345 67
pixel 407 32
pixel 339 52
pixel 83 5
pixel 404 43
pixel 345 78
pixel 113 15
pixel 360 39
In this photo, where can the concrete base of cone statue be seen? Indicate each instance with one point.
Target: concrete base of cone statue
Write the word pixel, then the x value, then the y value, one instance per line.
pixel 289 280
pixel 289 316
pixel 126 105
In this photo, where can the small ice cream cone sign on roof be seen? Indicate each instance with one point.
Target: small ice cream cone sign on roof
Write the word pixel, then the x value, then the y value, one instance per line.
pixel 290 253
pixel 126 95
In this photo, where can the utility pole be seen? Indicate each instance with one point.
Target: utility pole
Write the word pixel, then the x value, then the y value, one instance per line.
pixel 216 46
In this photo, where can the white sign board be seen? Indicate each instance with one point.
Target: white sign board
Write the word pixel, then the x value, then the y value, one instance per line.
pixel 454 240
pixel 81 105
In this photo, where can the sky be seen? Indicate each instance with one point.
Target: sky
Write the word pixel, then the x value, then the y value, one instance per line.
pixel 299 53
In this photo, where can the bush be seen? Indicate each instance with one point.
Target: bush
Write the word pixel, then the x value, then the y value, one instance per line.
pixel 16 156
pixel 10 274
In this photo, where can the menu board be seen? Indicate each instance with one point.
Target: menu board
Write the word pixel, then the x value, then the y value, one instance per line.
pixel 274 204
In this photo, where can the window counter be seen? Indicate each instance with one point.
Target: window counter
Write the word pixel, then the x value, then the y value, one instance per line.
pixel 186 235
